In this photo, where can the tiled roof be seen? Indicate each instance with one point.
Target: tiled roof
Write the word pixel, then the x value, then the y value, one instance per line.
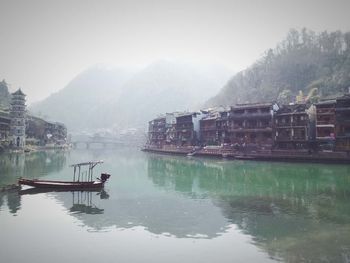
pixel 251 105
pixel 18 92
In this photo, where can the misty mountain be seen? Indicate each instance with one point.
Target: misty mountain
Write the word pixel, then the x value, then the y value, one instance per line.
pixel 303 61
pixel 76 104
pixel 100 98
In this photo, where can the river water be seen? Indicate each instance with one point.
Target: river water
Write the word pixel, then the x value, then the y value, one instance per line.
pixel 176 209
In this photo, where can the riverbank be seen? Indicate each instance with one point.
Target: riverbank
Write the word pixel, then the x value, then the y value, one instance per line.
pixel 35 148
pixel 262 155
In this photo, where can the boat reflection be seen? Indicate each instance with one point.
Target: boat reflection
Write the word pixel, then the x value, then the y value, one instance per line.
pixel 82 201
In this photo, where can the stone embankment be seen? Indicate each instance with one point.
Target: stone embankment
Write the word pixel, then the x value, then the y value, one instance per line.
pixel 262 155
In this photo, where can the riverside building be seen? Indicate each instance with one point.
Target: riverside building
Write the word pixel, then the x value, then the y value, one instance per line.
pixel 188 128
pixel 261 130
pixel 292 127
pixel 4 125
pixel 156 132
pixel 342 120
pixel 251 125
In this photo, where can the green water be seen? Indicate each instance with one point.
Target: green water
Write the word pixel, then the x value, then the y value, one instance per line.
pixel 176 209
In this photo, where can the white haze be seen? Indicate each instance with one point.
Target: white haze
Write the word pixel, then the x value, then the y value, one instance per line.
pixel 123 98
pixel 45 43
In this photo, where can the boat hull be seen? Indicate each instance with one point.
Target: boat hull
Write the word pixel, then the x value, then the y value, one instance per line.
pixel 61 185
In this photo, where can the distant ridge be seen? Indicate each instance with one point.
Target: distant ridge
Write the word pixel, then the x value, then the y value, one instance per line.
pixel 75 104
pixel 100 98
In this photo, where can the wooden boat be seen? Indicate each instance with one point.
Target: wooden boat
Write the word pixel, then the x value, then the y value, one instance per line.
pixel 191 154
pixel 81 181
pixel 244 157
pixel 69 185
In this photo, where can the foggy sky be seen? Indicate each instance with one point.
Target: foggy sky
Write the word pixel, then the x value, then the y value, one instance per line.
pixel 44 44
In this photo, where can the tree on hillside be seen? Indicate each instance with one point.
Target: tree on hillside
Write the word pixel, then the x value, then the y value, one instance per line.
pixel 304 60
pixel 4 95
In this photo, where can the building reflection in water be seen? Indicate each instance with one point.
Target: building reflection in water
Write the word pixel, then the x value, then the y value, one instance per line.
pixel 81 201
pixel 292 211
pixel 161 214
pixel 13 201
pixel 30 165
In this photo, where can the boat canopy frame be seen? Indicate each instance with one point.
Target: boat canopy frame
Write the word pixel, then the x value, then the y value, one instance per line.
pixel 78 175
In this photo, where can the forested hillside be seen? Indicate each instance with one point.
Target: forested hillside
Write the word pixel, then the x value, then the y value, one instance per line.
pixel 303 61
pixel 4 95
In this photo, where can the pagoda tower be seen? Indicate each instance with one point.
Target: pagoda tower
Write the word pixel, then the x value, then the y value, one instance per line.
pixel 18 119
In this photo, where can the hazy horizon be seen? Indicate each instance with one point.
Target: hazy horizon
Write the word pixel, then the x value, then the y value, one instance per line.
pixel 45 44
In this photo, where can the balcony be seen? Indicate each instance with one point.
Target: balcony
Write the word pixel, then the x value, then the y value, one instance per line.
pixel 222 128
pixel 17 115
pixel 289 138
pixel 284 124
pixel 292 124
pixel 328 123
pixel 210 128
pixel 325 112
pixel 283 138
pixel 184 126
pixel 159 126
pixel 343 110
pixel 258 115
pixel 250 129
pixel 183 120
pixel 162 129
pixel 16 101
pixel 300 123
